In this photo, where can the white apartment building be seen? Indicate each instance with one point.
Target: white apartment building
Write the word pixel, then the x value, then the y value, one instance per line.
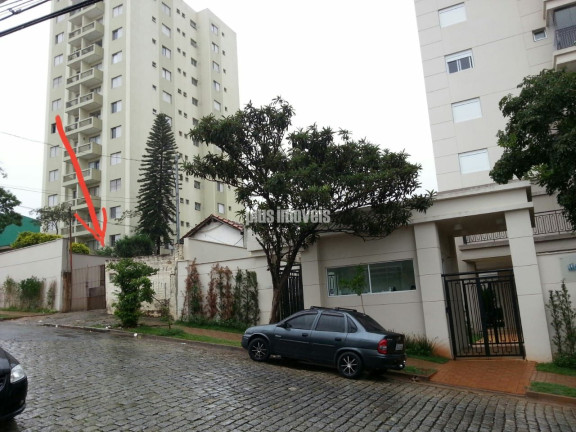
pixel 114 65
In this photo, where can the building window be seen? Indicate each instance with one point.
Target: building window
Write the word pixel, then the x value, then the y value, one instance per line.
pixel 116 106
pixel 215 67
pixel 216 85
pixel 117 57
pixel 166 30
pixel 53 128
pixel 452 15
pixel 220 186
pixel 378 278
pixel 197 206
pixel 194 82
pixel 195 122
pixel 193 62
pixel 59 38
pixel 57 82
pixel 166 74
pixel 60 18
pixel 115 158
pixel 217 106
pixel 192 24
pixel 166 52
pixel 115 185
pixel 221 208
pixel 166 97
pixel 59 59
pixel 52 200
pixel 194 101
pixel 53 151
pixel 116 132
pixel 466 110
pixel 118 10
pixel 213 28
pixel 193 43
pixel 459 61
pixel 215 48
pixel 474 161
pixel 53 175
pixel 115 212
pixel 539 34
pixel 96 139
pixel 118 33
pixel 114 238
pixel 196 184
pixel 117 81
pixel 166 9
pixel 56 104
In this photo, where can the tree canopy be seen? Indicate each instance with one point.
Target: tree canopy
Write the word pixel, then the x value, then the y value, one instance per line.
pixel 8 202
pixel 48 217
pixel 539 139
pixel 156 205
pixel 331 182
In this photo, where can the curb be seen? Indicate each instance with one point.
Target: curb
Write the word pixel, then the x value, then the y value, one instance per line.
pixel 549 397
pixel 409 375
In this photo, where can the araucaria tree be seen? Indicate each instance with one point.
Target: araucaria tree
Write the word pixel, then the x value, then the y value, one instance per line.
pixel 156 205
pixel 539 140
pixel 347 186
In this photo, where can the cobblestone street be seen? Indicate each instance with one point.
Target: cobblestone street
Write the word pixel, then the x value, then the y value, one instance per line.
pixel 80 381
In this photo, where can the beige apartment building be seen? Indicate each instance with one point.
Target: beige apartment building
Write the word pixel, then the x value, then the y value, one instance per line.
pixel 114 65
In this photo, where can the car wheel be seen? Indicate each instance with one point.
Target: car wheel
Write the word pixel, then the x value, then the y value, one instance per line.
pixel 350 365
pixel 259 349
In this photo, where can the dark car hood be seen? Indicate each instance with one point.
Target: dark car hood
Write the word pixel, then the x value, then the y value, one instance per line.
pixel 261 329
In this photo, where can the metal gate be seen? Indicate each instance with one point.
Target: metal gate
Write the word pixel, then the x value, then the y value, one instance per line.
pixel 292 295
pixel 88 289
pixel 483 314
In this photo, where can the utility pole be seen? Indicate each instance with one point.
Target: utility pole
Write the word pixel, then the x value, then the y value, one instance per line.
pixel 177 188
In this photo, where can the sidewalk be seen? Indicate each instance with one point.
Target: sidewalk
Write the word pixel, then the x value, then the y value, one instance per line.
pixel 512 376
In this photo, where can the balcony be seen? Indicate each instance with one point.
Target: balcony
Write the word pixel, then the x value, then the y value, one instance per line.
pixel 91 176
pixel 86 151
pixel 89 12
pixel 90 32
pixel 77 230
pixel 89 126
pixel 90 54
pixel 565 44
pixel 90 78
pixel 80 203
pixel 90 102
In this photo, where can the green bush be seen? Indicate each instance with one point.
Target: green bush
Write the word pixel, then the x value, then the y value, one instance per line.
pixel 134 246
pixel 30 293
pixel 79 248
pixel 419 345
pixel 563 321
pixel 28 238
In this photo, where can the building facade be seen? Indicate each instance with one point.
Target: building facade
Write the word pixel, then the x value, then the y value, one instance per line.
pixel 114 65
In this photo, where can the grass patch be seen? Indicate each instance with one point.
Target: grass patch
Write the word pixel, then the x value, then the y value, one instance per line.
pixel 418 371
pixel 39 310
pixel 429 358
pixel 177 333
pixel 552 368
pixel 556 389
pixel 212 326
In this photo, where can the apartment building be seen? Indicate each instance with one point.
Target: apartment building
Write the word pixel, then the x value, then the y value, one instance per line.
pixel 114 65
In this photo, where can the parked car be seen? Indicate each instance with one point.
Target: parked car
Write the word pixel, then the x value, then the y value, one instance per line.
pixel 345 338
pixel 13 387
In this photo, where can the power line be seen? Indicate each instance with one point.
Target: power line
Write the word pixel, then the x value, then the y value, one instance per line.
pixel 12 6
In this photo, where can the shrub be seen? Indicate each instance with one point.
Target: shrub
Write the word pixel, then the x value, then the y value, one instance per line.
pixel 193 299
pixel 79 248
pixel 30 293
pixel 133 246
pixel 419 345
pixel 563 321
pixel 28 238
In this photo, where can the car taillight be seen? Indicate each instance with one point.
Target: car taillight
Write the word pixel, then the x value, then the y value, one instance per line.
pixel 383 346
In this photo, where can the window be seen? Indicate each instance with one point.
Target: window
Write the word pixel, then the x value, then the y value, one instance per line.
pixel 53 151
pixel 220 186
pixel 166 30
pixel 564 18
pixel 193 62
pixel 196 184
pixel 115 212
pixel 221 208
pixel 166 74
pixel 94 191
pixel 53 128
pixel 59 38
pixel 194 101
pixel 115 185
pixel 197 206
pixel 56 82
pixel 466 110
pixel 116 106
pixel 194 82
pixel 56 104
pixel 378 278
pixel 459 61
pixel 215 66
pixel 94 164
pixel 117 57
pixel 216 85
pixel 192 24
pixel 452 15
pixel 97 139
pixel 193 43
pixel 53 175
pixel 115 158
pixel 166 52
pixel 59 59
pixel 114 238
pixel 116 132
pixel 474 161
pixel 60 18
pixel 166 97
pixel 153 19
pixel 169 120
pixel 217 106
pixel 215 48
pixel 539 34
pixel 166 9
pixel 331 323
pixel 118 10
pixel 117 81
pixel 213 28
pixel 118 33
pixel 302 322
pixel 52 200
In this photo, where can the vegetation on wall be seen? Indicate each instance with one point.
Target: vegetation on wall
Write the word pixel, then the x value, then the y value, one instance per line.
pixel 193 297
pixel 563 321
pixel 28 294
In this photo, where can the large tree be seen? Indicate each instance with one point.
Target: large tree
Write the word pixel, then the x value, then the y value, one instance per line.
pixel 364 190
pixel 156 205
pixel 49 217
pixel 8 202
pixel 539 140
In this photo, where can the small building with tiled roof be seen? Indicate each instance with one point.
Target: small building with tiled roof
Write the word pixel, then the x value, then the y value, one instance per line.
pixel 217 229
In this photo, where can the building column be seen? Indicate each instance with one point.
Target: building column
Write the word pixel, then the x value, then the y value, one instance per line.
pixel 311 277
pixel 428 252
pixel 528 286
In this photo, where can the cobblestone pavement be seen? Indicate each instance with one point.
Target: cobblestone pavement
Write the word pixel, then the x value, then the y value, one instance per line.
pixel 82 381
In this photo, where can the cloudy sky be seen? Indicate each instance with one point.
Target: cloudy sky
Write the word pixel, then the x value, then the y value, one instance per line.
pixel 350 65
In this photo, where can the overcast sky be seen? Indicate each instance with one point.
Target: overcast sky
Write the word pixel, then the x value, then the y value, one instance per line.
pixel 346 64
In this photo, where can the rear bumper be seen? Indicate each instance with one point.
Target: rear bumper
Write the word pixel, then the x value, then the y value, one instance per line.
pixel 389 361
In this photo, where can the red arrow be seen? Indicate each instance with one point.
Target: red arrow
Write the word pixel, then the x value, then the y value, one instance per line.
pixel 98 233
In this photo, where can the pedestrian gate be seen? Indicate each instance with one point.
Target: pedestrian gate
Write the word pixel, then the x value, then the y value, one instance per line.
pixel 292 294
pixel 483 314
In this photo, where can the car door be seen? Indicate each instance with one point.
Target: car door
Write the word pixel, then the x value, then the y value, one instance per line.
pixel 292 337
pixel 328 337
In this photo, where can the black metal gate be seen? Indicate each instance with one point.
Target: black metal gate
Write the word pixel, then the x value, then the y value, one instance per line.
pixel 292 295
pixel 483 314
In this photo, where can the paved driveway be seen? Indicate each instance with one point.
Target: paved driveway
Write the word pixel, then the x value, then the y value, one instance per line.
pixel 98 382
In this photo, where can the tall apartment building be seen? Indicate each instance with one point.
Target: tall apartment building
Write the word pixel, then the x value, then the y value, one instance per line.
pixel 114 65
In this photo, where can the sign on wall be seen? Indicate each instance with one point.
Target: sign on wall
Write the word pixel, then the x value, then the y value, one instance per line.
pixel 568 265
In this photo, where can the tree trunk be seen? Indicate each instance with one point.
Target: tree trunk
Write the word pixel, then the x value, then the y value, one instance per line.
pixel 276 293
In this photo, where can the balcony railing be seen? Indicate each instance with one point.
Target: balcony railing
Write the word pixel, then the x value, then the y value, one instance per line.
pixel 550 222
pixel 566 37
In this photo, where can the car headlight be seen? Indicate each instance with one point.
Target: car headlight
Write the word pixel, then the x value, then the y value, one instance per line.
pixel 16 374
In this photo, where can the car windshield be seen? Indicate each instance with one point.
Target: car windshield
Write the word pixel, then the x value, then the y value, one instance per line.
pixel 369 324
